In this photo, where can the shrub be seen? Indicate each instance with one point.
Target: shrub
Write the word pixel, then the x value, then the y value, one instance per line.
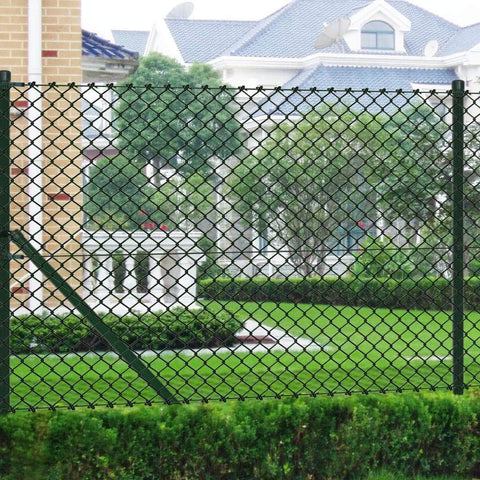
pixel 322 438
pixel 431 293
pixel 178 328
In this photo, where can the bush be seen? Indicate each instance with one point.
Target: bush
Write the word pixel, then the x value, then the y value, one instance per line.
pixel 431 293
pixel 321 438
pixel 178 328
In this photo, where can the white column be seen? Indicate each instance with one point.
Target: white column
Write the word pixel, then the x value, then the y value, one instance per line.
pixel 157 289
pixel 35 155
pixel 130 282
pixel 170 278
pixel 88 274
pixel 105 273
pixel 187 287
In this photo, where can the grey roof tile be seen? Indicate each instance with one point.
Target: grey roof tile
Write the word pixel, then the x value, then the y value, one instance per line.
pixel 465 39
pixel 289 100
pixel 292 30
pixel 135 40
pixel 202 40
pixel 95 46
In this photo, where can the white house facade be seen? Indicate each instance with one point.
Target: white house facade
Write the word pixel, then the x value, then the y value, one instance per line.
pixel 357 44
pixel 319 43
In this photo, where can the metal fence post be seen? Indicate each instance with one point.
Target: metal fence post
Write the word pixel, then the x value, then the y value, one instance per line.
pixel 5 79
pixel 458 91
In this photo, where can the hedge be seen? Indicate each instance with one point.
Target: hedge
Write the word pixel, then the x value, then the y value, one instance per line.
pixel 425 293
pixel 321 438
pixel 178 328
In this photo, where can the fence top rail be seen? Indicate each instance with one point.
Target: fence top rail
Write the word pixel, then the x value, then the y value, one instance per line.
pixel 242 88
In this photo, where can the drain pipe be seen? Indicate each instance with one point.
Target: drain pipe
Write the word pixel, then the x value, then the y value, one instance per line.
pixel 35 154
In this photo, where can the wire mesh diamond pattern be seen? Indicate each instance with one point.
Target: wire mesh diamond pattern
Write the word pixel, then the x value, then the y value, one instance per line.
pixel 180 244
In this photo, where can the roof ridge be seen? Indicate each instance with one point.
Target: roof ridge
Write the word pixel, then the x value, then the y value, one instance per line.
pixel 262 24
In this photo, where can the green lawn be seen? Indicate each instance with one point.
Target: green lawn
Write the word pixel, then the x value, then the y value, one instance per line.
pixel 366 350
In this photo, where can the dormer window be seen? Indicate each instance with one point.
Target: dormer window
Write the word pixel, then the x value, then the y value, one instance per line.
pixel 378 35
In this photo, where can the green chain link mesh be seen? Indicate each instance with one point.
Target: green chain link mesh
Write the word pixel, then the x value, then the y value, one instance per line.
pixel 242 243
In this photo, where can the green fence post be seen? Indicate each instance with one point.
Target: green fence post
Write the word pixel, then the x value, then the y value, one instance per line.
pixel 5 78
pixel 458 90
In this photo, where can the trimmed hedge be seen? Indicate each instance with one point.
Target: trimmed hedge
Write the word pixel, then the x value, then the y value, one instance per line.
pixel 425 293
pixel 178 328
pixel 322 438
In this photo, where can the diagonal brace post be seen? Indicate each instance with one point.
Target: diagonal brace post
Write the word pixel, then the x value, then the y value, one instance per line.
pixel 125 353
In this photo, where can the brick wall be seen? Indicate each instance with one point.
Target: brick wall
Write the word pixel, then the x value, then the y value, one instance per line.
pixel 61 144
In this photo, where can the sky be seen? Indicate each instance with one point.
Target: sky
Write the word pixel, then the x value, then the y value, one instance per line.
pixel 101 16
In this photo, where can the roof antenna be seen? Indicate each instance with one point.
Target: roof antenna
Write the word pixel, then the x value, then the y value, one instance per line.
pixel 333 32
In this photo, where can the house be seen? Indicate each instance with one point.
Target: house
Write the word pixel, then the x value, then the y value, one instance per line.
pixel 374 44
pixel 354 43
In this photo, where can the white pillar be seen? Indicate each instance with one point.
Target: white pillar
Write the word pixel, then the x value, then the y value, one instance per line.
pixel 171 274
pixel 105 274
pixel 130 282
pixel 35 156
pixel 157 288
pixel 187 287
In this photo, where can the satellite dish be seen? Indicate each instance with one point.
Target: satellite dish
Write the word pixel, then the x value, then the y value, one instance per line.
pixel 333 32
pixel 181 11
pixel 431 48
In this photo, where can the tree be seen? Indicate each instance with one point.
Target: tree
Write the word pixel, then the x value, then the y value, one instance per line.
pixel 310 180
pixel 417 187
pixel 165 115
pixel 418 167
pixel 119 196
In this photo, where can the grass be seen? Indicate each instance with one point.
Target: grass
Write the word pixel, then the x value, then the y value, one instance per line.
pixel 367 351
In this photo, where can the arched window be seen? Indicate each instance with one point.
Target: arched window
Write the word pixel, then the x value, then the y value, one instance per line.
pixel 378 35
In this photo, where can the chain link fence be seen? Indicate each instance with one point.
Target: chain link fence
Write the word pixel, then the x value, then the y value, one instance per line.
pixel 179 244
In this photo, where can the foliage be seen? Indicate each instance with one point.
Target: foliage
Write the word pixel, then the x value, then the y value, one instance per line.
pixel 381 257
pixel 177 328
pixel 142 271
pixel 310 179
pixel 119 196
pixel 209 268
pixel 429 293
pixel 418 168
pixel 321 438
pixel 166 116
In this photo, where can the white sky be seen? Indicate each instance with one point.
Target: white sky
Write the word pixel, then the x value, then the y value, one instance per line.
pixel 101 16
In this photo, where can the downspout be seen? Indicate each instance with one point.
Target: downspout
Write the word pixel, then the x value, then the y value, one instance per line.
pixel 35 154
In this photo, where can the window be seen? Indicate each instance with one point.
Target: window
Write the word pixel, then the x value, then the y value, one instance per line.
pixel 378 35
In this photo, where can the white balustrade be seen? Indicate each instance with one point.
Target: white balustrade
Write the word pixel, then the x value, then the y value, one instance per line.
pixel 172 264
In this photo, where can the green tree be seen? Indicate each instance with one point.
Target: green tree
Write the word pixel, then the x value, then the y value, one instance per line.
pixel 310 180
pixel 119 196
pixel 417 186
pixel 166 116
pixel 418 168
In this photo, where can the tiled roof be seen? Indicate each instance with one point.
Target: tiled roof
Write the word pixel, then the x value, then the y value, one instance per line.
pixel 462 41
pixel 134 40
pixel 340 79
pixel 202 40
pixel 292 30
pixel 373 78
pixel 94 46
